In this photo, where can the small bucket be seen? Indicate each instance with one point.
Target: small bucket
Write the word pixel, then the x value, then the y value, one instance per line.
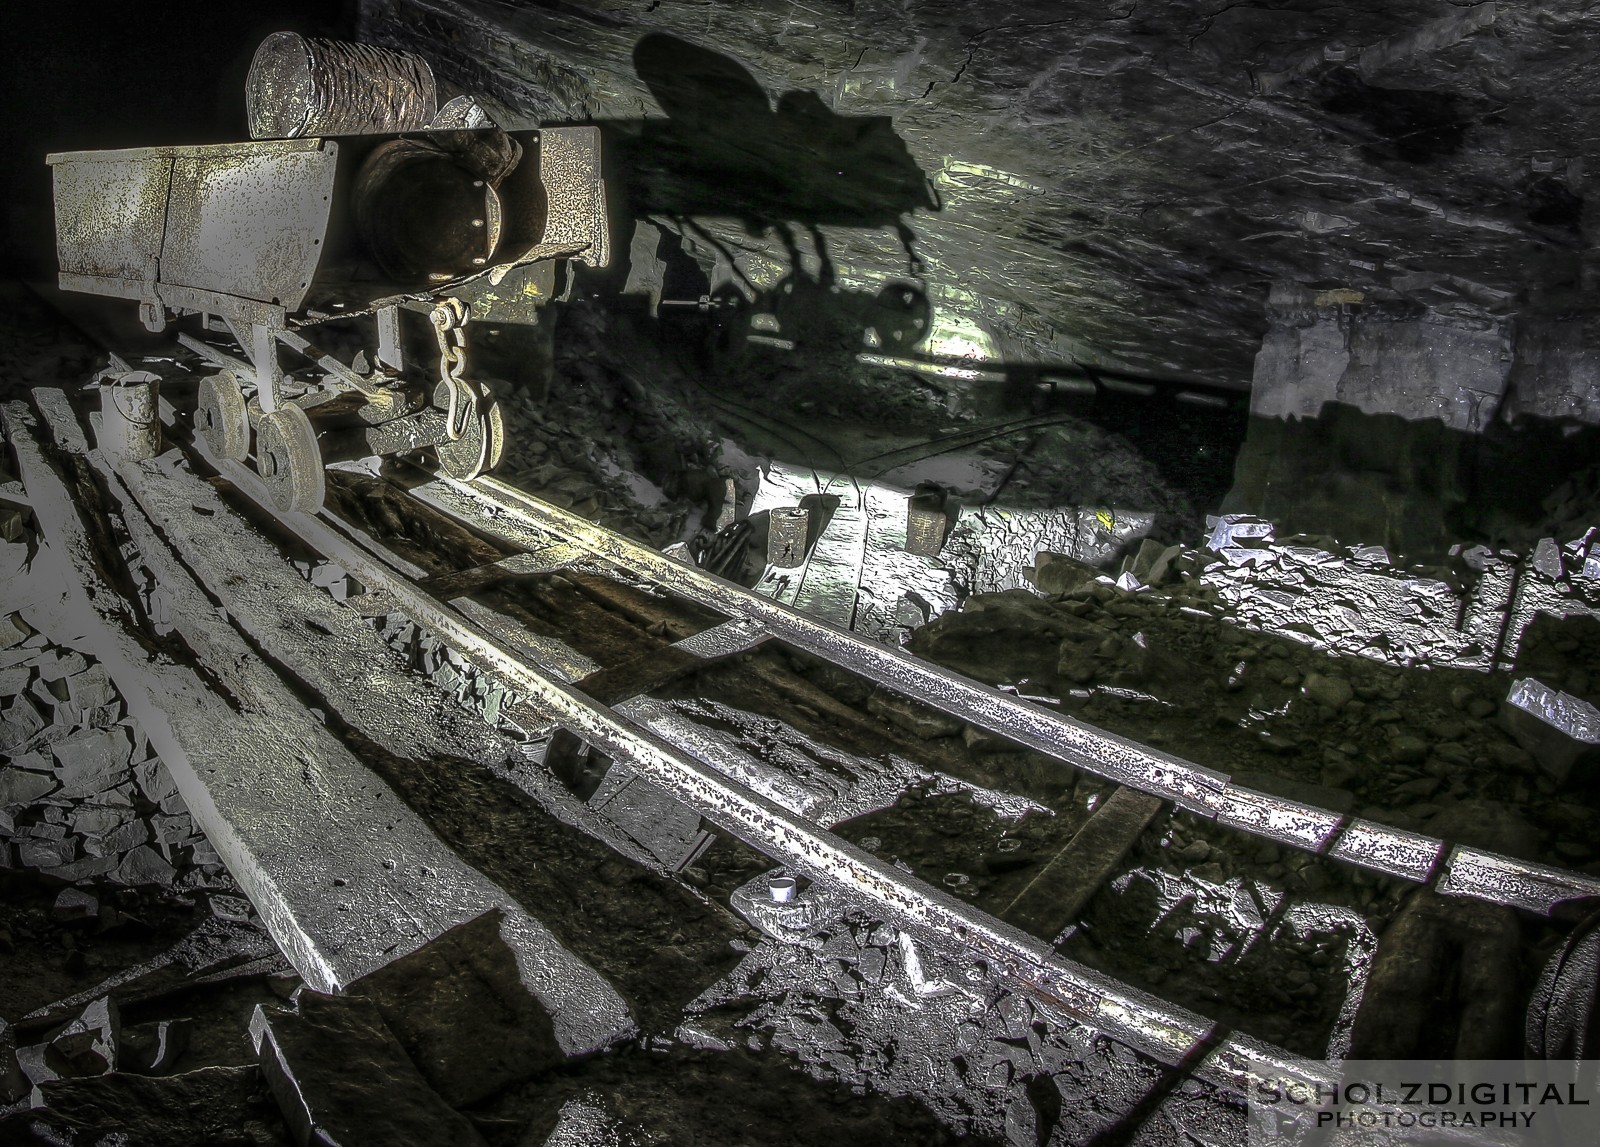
pixel 130 416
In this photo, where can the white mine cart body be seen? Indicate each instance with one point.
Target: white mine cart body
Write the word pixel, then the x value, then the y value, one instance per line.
pixel 268 238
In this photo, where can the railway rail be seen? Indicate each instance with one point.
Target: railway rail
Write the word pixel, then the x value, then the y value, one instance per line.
pixel 570 698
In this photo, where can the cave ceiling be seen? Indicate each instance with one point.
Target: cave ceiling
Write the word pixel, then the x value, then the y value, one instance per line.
pixel 1116 185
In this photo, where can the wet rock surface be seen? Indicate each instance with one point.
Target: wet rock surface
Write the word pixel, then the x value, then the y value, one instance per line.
pixel 208 1107
pixel 1145 174
pixel 339 1074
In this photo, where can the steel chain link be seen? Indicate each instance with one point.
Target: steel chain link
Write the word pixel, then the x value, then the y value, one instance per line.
pixel 449 318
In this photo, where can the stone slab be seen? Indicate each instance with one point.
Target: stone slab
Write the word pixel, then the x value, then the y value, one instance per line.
pixel 340 1077
pixel 459 1008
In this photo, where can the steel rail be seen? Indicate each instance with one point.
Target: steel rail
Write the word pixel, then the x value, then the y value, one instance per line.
pixel 1166 1032
pixel 519 519
pixel 1119 759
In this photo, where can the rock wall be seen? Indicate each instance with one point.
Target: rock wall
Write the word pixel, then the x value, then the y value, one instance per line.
pixel 1406 427
pixel 1113 185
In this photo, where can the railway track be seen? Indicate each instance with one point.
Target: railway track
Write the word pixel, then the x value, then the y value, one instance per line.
pixel 581 705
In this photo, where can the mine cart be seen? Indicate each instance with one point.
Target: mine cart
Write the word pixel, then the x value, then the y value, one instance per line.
pixel 268 240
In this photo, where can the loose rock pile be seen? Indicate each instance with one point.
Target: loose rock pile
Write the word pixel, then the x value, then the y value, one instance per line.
pixel 1329 677
pixel 860 1002
pixel 82 795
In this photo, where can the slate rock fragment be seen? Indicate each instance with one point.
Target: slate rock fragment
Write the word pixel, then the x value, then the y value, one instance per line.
pixel 87 1044
pixel 1560 730
pixel 459 1008
pixel 144 865
pixel 210 1107
pixel 75 904
pixel 20 786
pixel 92 760
pixel 340 1076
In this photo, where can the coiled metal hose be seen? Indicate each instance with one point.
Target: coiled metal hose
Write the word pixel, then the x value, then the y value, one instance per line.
pixel 304 87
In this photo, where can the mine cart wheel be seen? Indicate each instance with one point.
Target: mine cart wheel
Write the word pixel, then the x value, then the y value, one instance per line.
pixel 902 316
pixel 480 447
pixel 289 461
pixel 220 417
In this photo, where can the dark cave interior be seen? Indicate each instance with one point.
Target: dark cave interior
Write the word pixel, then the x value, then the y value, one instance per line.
pixel 1201 405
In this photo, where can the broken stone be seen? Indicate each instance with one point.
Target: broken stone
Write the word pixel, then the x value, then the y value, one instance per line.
pixel 117 796
pixel 90 755
pixel 144 865
pixel 88 1043
pixel 1229 529
pixel 38 762
pixel 232 908
pixel 51 691
pixel 91 688
pixel 33 1064
pixel 91 821
pixel 461 1011
pixel 19 723
pixel 84 868
pixel 13 630
pixel 14 680
pixel 1154 563
pixel 1334 692
pixel 123 838
pixel 154 780
pixel 1547 558
pixel 340 1076
pixel 62 665
pixel 22 786
pixel 1057 573
pixel 36 853
pixel 74 904
pixel 172 829
pixel 1560 730
pixel 186 1110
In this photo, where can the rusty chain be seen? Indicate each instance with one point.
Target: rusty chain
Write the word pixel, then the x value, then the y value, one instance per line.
pixel 449 318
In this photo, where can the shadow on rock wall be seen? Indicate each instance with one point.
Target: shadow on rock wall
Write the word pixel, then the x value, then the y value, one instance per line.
pixel 723 149
pixel 1415 486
